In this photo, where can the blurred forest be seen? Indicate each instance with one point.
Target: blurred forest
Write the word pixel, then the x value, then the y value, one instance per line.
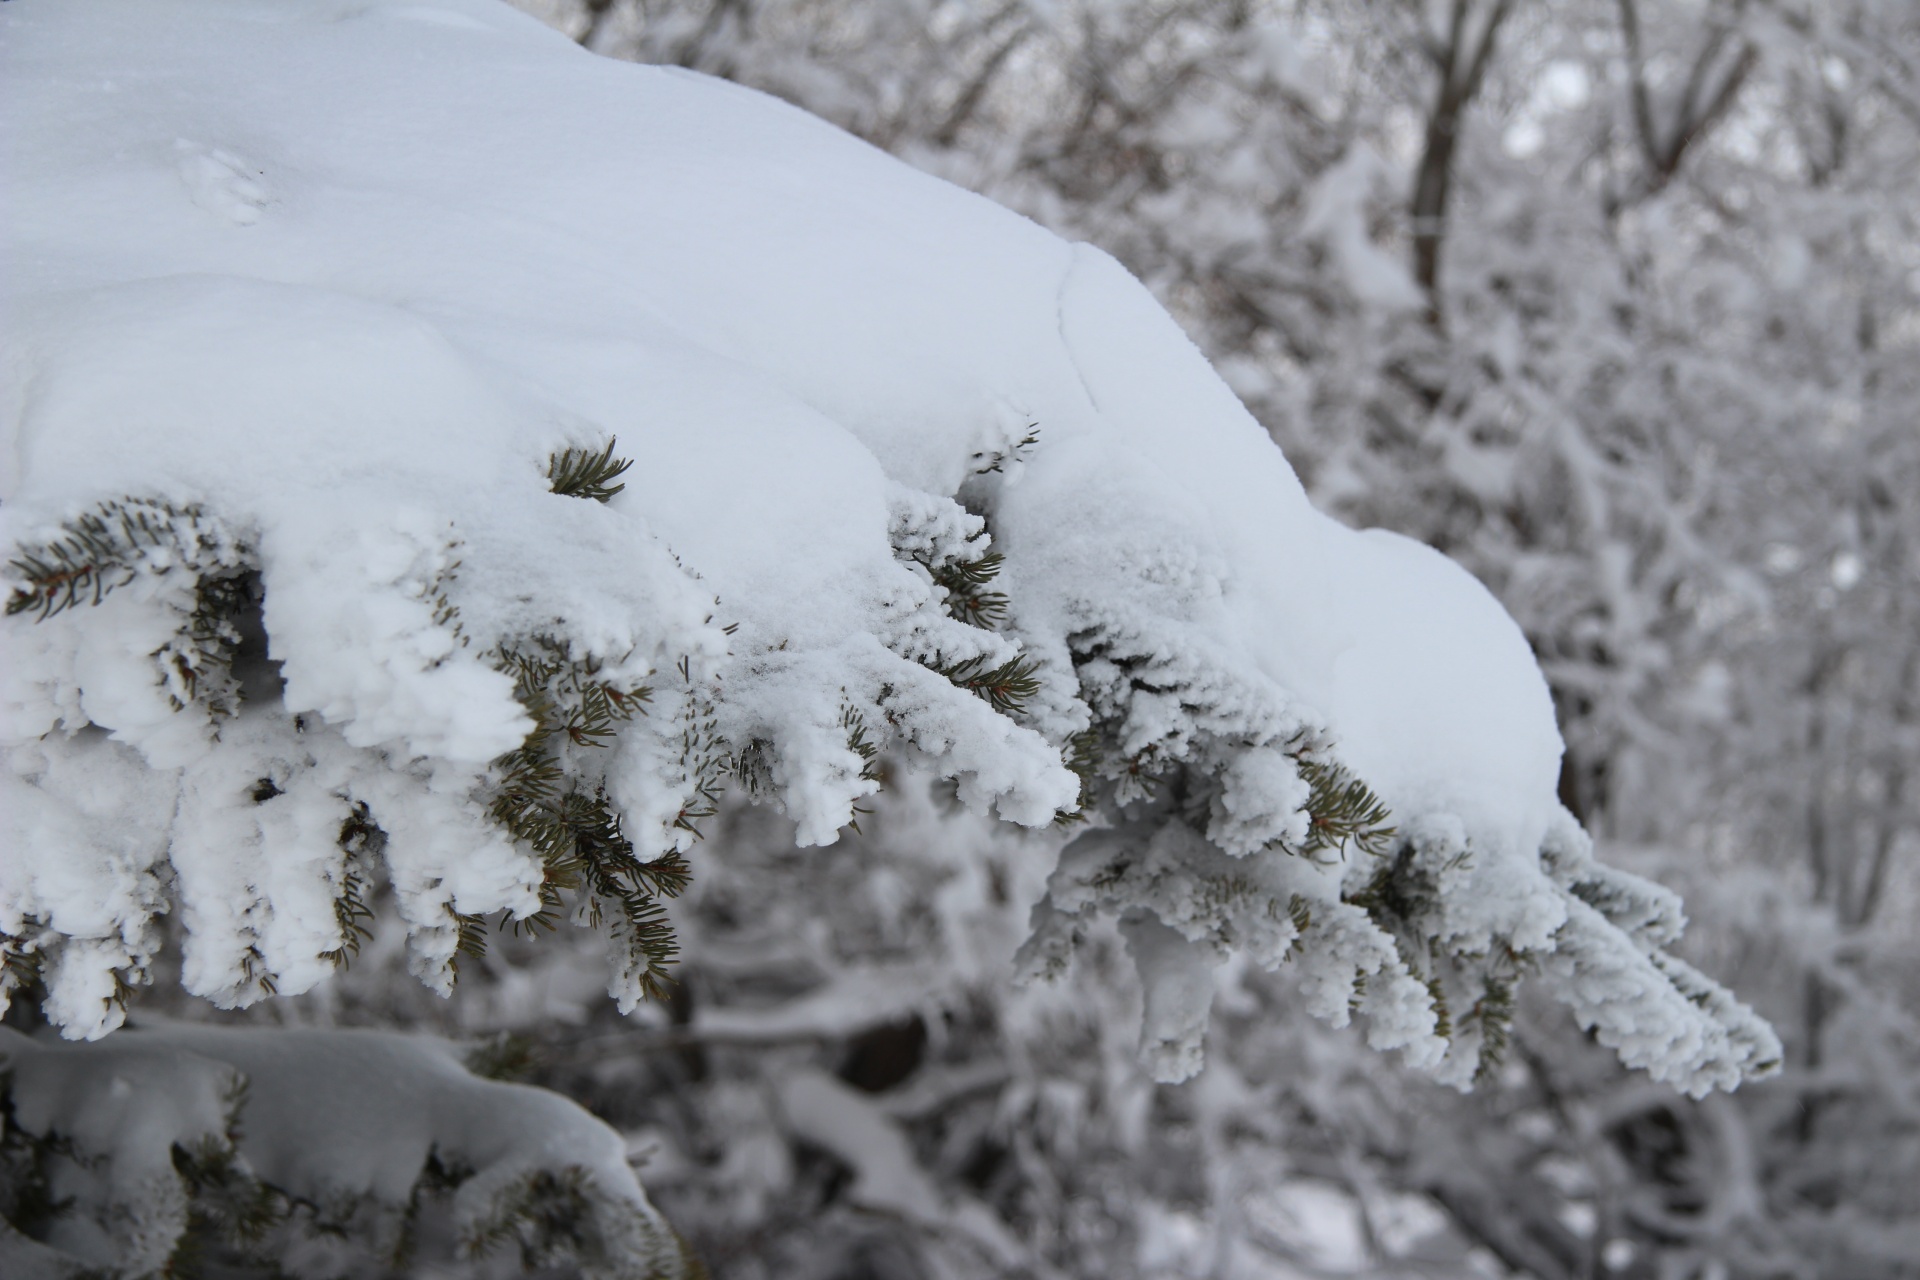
pixel 1617 302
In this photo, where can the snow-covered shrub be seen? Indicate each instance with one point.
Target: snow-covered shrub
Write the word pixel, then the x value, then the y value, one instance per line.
pixel 165 1151
pixel 304 594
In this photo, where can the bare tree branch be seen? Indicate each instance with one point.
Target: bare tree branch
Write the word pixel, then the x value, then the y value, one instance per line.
pixel 1463 65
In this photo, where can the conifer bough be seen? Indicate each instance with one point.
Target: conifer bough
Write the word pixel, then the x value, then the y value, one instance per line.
pixel 306 613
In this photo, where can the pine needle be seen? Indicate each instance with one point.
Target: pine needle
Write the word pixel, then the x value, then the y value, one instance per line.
pixel 583 473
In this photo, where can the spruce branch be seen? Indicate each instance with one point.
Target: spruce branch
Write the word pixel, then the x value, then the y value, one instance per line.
pixel 21 959
pixel 1437 991
pixel 583 473
pixel 1493 1013
pixel 91 557
pixel 543 800
pixel 1300 912
pixel 1342 810
pixel 470 936
pixel 1082 756
pixel 861 745
pixel 107 547
pixel 229 1211
pixel 360 838
pixel 996 460
pixel 965 582
pixel 1007 687
pixel 752 768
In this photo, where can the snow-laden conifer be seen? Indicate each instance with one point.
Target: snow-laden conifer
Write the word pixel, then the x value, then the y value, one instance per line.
pixel 327 568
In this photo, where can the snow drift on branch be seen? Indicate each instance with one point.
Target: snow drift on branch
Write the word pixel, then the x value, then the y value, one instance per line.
pixel 310 302
pixel 274 1140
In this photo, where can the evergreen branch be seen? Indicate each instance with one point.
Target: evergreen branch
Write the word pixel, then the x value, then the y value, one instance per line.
pixel 472 936
pixel 959 574
pixel 1007 687
pixel 227 1207
pixel 1082 757
pixel 703 759
pixel 965 583
pixel 752 768
pixel 855 725
pixel 359 839
pixel 997 459
pixel 1342 810
pixel 105 548
pixel 540 801
pixel 967 601
pixel 582 473
pixel 509 1056
pixel 1437 991
pixel 1300 912
pixel 21 961
pixel 1493 1011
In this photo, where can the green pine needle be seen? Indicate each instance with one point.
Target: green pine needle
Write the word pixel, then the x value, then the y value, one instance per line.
pixel 583 473
pixel 1007 687
pixel 965 582
pixel 572 826
pixel 1342 810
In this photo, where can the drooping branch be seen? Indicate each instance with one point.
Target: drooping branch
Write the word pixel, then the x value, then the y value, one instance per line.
pixel 1713 82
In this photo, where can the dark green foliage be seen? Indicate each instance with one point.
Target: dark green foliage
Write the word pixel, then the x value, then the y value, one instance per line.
pixel 968 599
pixel 1006 687
pixel 543 1213
pixel 1493 1013
pixel 564 695
pixel 1381 897
pixel 470 936
pixel 703 757
pixel 535 800
pixel 100 550
pixel 20 960
pixel 197 665
pixel 1342 810
pixel 582 473
pixel 857 742
pixel 552 1219
pixel 620 892
pixel 254 971
pixel 230 1213
pixel 359 839
pixel 507 1056
pixel 751 768
pixel 1082 756
pixel 572 826
pixel 1300 911
pixel 1437 991
pixel 27 1199
pixel 108 546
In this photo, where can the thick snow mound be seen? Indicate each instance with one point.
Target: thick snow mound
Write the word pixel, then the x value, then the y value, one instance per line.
pixel 321 288
pixel 136 1130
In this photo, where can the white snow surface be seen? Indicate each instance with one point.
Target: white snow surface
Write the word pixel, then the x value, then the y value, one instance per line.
pixel 342 276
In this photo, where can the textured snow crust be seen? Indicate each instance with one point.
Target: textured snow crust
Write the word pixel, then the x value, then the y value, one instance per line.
pixel 329 282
